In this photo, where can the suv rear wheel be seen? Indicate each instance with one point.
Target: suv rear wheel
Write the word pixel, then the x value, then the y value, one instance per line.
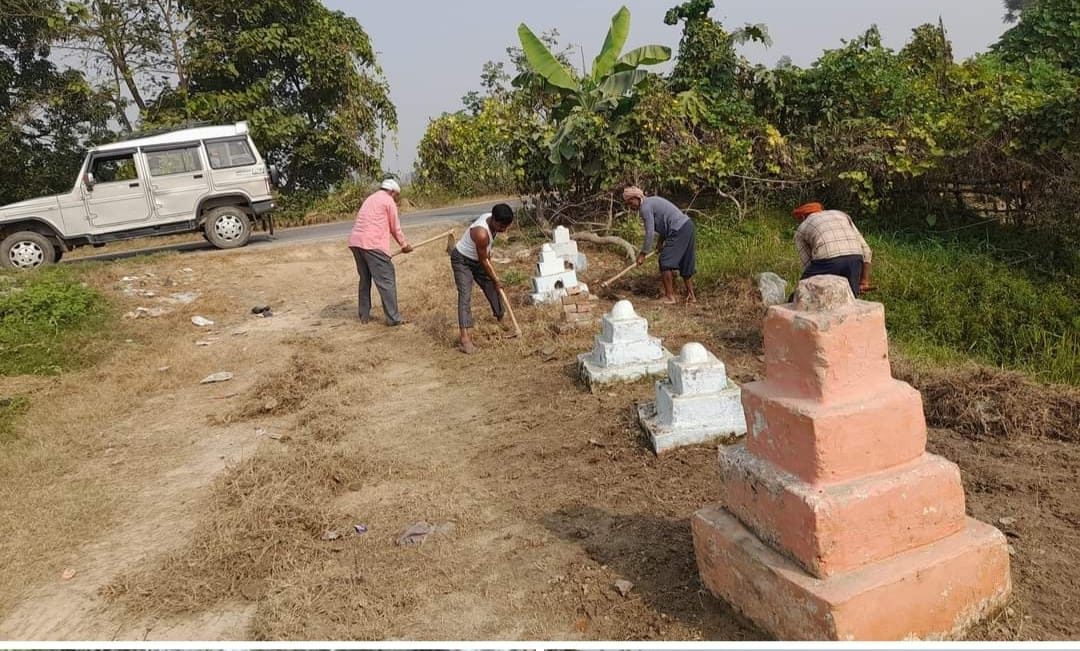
pixel 26 250
pixel 227 227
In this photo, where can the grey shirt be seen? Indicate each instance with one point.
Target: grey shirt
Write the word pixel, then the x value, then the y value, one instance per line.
pixel 661 218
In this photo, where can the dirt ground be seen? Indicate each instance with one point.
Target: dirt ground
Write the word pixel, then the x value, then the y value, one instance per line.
pixel 145 505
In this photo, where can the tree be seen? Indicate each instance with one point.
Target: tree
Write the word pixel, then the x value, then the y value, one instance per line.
pixel 587 116
pixel 707 59
pixel 1013 9
pixel 304 77
pixel 46 115
pixel 136 44
pixel 1048 30
pixel 468 154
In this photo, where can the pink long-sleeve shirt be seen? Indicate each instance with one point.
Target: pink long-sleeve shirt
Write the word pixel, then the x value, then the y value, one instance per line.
pixel 376 221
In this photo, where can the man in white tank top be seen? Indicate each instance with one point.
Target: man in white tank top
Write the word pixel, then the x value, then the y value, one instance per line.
pixel 471 261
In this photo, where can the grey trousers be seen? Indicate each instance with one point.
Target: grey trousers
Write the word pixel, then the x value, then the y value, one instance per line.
pixel 465 272
pixel 376 266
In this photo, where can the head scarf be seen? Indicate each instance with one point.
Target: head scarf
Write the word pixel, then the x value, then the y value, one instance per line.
pixel 633 191
pixel 807 209
pixel 391 185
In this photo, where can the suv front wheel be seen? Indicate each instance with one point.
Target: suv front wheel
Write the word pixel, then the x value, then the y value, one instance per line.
pixel 26 250
pixel 227 227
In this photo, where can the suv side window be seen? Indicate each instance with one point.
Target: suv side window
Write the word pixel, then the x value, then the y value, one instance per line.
pixel 111 169
pixel 173 161
pixel 229 153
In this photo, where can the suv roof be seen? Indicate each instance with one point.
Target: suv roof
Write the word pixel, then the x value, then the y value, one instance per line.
pixel 178 136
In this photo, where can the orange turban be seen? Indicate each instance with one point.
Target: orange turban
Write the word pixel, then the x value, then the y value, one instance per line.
pixel 807 209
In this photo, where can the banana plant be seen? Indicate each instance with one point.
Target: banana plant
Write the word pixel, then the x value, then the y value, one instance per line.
pixel 612 77
pixel 609 85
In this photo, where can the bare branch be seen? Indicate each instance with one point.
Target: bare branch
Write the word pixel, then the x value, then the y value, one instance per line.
pixel 593 238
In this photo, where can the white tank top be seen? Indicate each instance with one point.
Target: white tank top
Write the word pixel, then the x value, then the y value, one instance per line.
pixel 467 247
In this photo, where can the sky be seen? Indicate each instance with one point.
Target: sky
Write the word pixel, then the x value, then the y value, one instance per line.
pixel 432 51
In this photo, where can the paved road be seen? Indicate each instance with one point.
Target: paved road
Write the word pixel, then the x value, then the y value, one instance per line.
pixel 457 215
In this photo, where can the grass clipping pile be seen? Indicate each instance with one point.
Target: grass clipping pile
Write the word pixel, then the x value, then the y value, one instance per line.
pixel 286 391
pixel 983 402
pixel 267 517
pixel 264 520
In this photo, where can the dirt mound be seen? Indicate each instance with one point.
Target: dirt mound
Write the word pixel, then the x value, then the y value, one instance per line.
pixel 984 402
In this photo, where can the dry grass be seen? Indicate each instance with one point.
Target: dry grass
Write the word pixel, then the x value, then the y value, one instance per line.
pixel 87 436
pixel 984 402
pixel 263 525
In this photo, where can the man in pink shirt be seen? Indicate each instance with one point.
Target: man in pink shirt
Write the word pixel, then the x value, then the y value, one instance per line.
pixel 369 242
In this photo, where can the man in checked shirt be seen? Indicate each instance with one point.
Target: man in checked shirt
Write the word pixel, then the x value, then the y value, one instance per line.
pixel 829 243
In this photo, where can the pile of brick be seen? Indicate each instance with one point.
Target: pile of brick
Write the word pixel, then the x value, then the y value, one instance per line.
pixel 577 308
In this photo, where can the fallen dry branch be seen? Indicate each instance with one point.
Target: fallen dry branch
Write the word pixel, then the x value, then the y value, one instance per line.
pixel 593 238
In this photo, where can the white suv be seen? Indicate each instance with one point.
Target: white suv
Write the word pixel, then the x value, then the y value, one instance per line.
pixel 210 178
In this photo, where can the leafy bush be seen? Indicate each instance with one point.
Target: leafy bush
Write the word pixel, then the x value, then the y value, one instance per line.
pixel 43 318
pixel 467 154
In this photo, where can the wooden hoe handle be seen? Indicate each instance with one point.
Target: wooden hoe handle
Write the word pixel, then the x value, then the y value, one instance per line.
pixel 624 271
pixel 427 241
pixel 510 310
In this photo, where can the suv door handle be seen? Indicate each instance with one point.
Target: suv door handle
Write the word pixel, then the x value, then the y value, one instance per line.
pixel 133 185
pixel 197 176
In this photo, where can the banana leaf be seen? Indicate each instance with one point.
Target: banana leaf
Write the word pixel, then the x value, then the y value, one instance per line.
pixel 613 44
pixel 543 61
pixel 621 83
pixel 646 55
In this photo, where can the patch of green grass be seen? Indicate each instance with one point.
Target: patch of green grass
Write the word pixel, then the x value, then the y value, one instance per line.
pixel 945 300
pixel 513 278
pixel 10 410
pixel 46 318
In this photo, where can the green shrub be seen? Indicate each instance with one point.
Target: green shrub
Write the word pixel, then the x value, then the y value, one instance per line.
pixel 941 295
pixel 513 278
pixel 44 318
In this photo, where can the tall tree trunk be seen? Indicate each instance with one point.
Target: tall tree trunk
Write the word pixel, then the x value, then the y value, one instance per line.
pixel 124 70
pixel 121 114
pixel 168 13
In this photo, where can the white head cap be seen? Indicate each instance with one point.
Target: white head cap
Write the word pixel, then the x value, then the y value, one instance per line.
pixel 390 184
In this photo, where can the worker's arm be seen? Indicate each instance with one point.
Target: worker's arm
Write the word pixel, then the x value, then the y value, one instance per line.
pixel 395 228
pixel 864 281
pixel 867 258
pixel 803 245
pixel 650 233
pixel 481 238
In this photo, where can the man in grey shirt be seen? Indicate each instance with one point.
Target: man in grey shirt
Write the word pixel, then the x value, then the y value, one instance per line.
pixel 675 231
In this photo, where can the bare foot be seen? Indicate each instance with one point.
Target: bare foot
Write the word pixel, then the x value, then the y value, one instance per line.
pixel 691 300
pixel 467 347
pixel 669 300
